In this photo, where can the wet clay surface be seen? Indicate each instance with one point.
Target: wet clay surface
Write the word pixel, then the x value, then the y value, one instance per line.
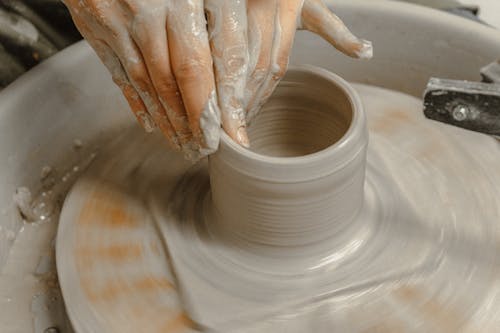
pixel 116 275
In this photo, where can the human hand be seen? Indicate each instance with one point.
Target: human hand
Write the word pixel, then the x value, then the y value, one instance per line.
pixel 251 41
pixel 159 55
pixel 158 52
pixel 271 30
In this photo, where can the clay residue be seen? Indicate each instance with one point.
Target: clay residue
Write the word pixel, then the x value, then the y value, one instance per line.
pixel 104 209
pixel 115 253
pixel 444 317
pixel 387 326
pixel 179 323
pixel 115 288
pixel 392 121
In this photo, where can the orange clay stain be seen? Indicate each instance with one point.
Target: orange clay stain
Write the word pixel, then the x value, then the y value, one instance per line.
pixel 158 318
pixel 386 324
pixel 113 253
pixel 391 121
pixel 179 323
pixel 445 319
pixel 433 150
pixel 115 288
pixel 107 208
pixel 153 283
pixel 84 263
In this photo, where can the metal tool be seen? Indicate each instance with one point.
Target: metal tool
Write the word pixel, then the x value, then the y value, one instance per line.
pixel 471 105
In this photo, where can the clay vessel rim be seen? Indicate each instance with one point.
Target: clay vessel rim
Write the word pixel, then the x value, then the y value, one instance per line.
pixel 358 117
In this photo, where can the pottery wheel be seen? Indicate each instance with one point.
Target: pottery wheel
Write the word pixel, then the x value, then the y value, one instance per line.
pixel 116 272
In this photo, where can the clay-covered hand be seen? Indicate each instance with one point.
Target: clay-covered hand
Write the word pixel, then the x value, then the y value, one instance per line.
pixel 163 58
pixel 250 42
pixel 271 29
pixel 159 55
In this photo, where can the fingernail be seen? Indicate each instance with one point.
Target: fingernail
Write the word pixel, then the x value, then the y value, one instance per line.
pixel 242 137
pixel 366 50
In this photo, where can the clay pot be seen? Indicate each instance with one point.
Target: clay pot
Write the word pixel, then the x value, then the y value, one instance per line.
pixel 301 182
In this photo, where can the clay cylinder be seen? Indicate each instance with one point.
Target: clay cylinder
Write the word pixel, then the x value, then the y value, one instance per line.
pixel 302 180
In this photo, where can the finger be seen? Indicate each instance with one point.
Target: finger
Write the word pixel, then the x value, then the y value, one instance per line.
pixel 133 63
pixel 112 63
pixel 317 18
pixel 149 33
pixel 287 13
pixel 192 66
pixel 108 22
pixel 120 78
pixel 227 28
pixel 262 20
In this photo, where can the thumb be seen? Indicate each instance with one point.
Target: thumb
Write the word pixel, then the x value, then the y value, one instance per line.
pixel 317 18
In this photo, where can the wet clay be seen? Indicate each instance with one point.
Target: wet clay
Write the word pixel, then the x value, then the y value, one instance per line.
pixel 399 234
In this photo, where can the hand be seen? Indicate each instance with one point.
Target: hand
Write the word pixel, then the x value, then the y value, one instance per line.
pixel 251 41
pixel 159 55
pixel 272 27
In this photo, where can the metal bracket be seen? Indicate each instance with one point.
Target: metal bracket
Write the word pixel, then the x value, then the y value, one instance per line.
pixel 471 105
